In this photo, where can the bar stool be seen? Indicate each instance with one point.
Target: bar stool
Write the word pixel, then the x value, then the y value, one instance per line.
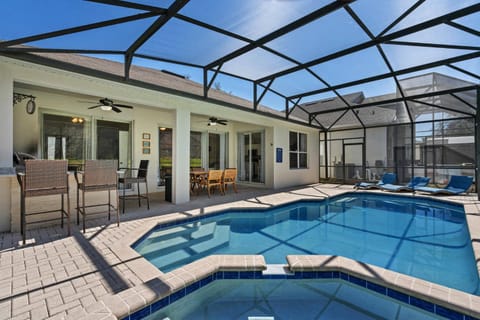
pixel 43 178
pixel 129 177
pixel 98 175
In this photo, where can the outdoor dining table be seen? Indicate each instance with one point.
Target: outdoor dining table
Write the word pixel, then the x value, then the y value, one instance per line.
pixel 196 178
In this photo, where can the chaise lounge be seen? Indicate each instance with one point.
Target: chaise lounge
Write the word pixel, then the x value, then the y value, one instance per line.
pixel 415 182
pixel 456 185
pixel 387 178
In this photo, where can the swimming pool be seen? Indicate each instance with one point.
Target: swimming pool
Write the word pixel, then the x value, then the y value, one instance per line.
pixel 423 238
pixel 288 299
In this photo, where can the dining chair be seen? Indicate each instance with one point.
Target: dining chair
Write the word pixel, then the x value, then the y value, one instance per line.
pixel 43 178
pixel 230 177
pixel 213 180
pixel 98 175
pixel 135 176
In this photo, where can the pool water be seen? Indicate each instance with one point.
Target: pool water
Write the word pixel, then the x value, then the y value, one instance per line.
pixel 288 299
pixel 423 238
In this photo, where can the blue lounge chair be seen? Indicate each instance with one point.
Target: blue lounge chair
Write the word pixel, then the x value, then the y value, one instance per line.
pixel 387 178
pixel 414 183
pixel 456 185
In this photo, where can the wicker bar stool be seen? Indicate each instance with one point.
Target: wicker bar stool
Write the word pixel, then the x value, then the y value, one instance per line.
pixel 130 177
pixel 43 178
pixel 98 175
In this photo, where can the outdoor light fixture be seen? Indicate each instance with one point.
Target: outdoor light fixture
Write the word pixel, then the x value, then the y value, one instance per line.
pixel 19 97
pixel 77 120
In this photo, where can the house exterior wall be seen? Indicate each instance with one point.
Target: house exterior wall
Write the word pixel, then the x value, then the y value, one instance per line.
pixel 62 91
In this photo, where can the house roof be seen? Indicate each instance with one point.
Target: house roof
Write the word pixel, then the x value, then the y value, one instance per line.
pixel 273 56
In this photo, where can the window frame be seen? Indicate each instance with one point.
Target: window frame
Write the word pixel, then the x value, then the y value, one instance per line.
pixel 297 149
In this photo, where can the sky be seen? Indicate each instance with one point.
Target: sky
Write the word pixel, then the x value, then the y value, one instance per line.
pixel 254 19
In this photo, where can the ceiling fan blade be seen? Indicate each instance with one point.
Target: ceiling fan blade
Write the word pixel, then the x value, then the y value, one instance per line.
pixel 122 106
pixel 114 108
pixel 223 123
pixel 93 107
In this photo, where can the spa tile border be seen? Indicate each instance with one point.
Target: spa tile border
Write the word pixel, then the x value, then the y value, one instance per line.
pixel 143 299
pixel 434 298
pixel 300 267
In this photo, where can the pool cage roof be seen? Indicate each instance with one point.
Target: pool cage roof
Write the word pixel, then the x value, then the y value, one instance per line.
pixel 331 65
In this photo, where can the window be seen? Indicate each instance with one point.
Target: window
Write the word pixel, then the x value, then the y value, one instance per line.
pixel 64 137
pixel 298 150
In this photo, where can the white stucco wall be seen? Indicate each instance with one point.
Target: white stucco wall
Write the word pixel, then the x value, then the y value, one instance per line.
pixel 64 92
pixel 283 175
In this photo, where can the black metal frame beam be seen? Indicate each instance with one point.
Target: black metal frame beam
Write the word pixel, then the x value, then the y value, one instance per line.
pixel 425 66
pixel 154 27
pixel 477 145
pixel 166 14
pixel 463 28
pixel 394 35
pixel 432 45
pixel 401 17
pixel 395 100
pixel 282 31
pixel 82 28
pixel 440 107
pixel 464 101
pixel 471 74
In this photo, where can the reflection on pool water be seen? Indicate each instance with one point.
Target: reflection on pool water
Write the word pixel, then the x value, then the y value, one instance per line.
pixel 288 299
pixel 423 238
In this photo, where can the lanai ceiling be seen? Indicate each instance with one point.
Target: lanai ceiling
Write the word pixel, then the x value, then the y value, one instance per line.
pixel 323 63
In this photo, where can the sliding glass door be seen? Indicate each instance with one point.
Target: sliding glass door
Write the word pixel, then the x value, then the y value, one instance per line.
pixel 113 142
pixel 251 157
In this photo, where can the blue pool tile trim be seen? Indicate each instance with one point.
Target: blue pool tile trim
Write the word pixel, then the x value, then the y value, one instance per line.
pixel 221 275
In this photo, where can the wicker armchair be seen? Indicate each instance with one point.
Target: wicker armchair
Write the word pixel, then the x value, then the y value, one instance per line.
pixel 130 177
pixel 43 178
pixel 213 180
pixel 230 177
pixel 98 175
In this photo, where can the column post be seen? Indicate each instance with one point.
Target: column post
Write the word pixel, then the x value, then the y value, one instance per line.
pixel 181 157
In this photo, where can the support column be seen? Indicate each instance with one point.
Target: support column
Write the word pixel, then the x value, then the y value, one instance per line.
pixel 477 143
pixel 6 120
pixel 8 184
pixel 181 157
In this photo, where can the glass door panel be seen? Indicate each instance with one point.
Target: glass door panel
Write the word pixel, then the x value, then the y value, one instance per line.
pixel 251 155
pixel 113 140
pixel 214 151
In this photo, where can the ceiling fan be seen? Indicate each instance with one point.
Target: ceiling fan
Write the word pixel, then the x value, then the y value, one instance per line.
pixel 212 121
pixel 108 104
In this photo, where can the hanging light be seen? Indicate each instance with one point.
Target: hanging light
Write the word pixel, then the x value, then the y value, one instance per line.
pixel 31 105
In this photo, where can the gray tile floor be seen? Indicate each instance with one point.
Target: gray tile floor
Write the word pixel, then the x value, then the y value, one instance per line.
pixel 55 276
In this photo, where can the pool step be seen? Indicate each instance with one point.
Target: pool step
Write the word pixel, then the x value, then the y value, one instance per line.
pixel 170 260
pixel 164 234
pixel 182 239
